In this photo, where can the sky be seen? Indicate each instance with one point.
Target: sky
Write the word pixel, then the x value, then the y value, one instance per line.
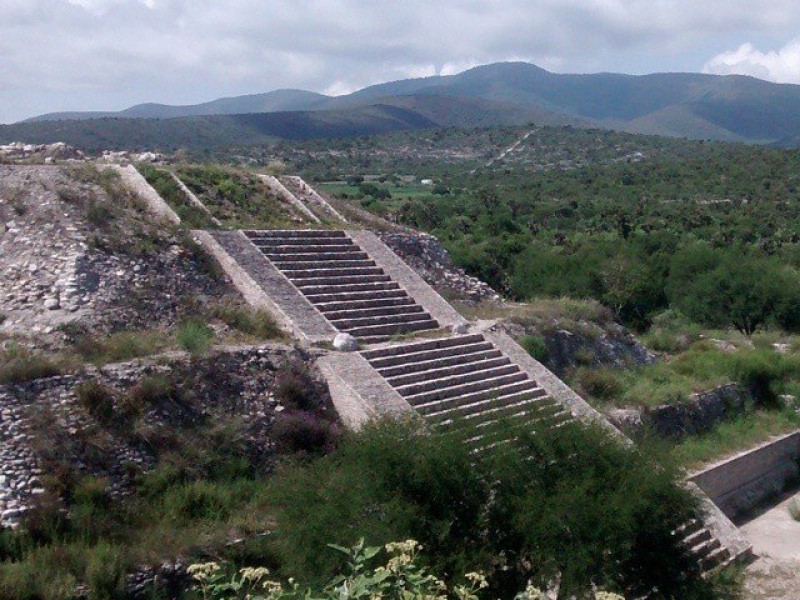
pixel 60 55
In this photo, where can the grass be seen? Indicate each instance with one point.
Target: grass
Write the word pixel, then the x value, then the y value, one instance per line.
pixel 747 430
pixel 257 324
pixel 18 365
pixel 194 336
pixel 121 346
pixel 162 181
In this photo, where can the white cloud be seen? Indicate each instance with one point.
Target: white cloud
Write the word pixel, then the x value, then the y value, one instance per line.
pixel 109 54
pixel 782 66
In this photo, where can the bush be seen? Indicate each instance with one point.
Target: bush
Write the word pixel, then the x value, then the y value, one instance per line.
pixel 585 507
pixel 105 572
pixel 256 322
pixel 535 346
pixel 602 384
pixel 303 432
pixel 20 367
pixel 296 389
pixel 194 337
pixel 763 372
pixel 97 399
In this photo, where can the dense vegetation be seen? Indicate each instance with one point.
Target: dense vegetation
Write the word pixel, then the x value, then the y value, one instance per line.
pixel 713 234
pixel 587 509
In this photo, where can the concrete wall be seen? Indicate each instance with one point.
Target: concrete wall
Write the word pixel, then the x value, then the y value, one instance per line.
pixel 740 483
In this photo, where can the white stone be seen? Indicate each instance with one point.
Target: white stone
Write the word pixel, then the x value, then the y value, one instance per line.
pixel 344 342
pixel 460 328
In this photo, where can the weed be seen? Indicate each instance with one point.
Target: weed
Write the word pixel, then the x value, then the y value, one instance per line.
pixel 295 388
pixel 20 367
pixel 194 336
pixel 256 322
pixel 602 384
pixel 298 431
pixel 535 346
pixel 97 399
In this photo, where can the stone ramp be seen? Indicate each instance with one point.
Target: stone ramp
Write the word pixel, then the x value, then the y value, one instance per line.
pixel 306 194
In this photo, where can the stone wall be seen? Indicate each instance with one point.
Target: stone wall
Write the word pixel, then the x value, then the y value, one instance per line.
pixel 700 414
pixel 740 483
pixel 426 255
pixel 72 256
pixel 43 423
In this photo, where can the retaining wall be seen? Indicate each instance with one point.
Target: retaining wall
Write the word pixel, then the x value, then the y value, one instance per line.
pixel 740 483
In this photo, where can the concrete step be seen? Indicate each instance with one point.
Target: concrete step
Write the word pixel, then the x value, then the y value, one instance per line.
pixel 535 394
pixel 497 413
pixel 490 437
pixel 327 281
pixel 467 398
pixel 332 273
pixel 411 351
pixel 698 537
pixel 545 416
pixel 294 265
pixel 294 233
pixel 381 319
pixel 391 329
pixel 300 256
pixel 441 361
pixel 293 245
pixel 337 296
pixel 717 558
pixel 347 305
pixel 451 380
pixel 463 389
pixel 361 313
pixel 344 249
pixel 343 288
pixel 441 371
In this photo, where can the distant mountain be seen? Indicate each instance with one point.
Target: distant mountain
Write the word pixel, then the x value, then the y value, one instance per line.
pixel 277 101
pixel 727 108
pixel 212 132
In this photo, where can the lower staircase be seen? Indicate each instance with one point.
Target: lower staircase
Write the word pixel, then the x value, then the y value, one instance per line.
pixel 465 385
pixel 341 280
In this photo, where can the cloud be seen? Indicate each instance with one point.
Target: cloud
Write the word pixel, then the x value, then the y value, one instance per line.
pixel 109 54
pixel 781 66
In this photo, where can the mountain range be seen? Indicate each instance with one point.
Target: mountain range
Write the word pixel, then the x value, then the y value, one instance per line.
pixel 699 106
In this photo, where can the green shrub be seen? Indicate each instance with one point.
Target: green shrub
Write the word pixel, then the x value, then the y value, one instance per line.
pixel 763 372
pixel 97 399
pixel 21 367
pixel 296 388
pixel 105 572
pixel 194 337
pixel 601 383
pixel 120 346
pixel 585 507
pixel 535 346
pixel 256 322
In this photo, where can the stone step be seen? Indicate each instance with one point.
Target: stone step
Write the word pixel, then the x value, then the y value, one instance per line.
pixel 535 394
pixel 360 313
pixel 321 264
pixel 332 273
pixel 703 549
pixel 292 245
pixel 344 249
pixel 496 413
pixel 323 281
pixel 464 389
pixel 547 416
pixel 404 317
pixel 447 370
pixel 490 437
pixel 411 360
pixel 347 305
pixel 300 256
pixel 294 233
pixel 437 405
pixel 391 329
pixel 338 297
pixel 448 381
pixel 415 348
pixel 699 536
pixel 442 361
pixel 715 559
pixel 377 286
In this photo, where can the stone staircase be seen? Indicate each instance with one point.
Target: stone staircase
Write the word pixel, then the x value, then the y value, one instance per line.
pixel 341 281
pixel 703 546
pixel 465 385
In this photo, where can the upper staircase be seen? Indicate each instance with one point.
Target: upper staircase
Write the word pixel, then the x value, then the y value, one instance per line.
pixel 341 280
